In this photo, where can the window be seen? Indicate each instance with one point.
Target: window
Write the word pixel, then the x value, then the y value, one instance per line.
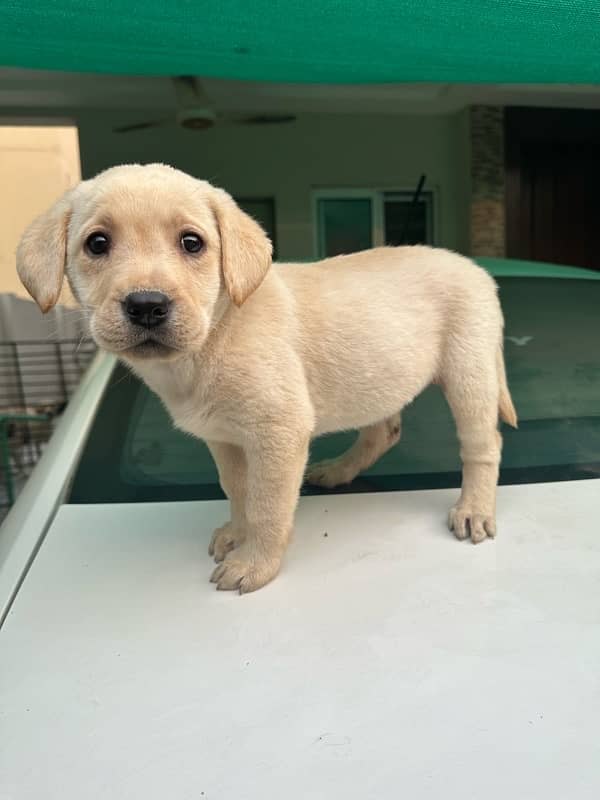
pixel 554 377
pixel 405 222
pixel 262 209
pixel 348 220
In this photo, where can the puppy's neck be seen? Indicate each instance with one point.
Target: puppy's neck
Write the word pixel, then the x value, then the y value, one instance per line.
pixel 172 380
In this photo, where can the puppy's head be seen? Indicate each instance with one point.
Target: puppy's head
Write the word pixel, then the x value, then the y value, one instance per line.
pixel 152 254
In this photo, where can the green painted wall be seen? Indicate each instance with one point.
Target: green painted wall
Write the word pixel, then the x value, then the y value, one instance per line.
pixel 288 161
pixel 316 151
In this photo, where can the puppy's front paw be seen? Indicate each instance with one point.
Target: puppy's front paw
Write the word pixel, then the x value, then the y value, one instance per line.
pixel 466 522
pixel 224 539
pixel 246 569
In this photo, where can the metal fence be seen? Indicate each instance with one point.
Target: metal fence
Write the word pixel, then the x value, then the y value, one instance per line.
pixel 37 379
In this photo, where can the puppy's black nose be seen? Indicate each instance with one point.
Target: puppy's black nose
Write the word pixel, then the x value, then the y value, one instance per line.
pixel 147 309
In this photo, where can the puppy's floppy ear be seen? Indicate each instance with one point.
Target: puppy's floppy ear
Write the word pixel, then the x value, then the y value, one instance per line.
pixel 42 253
pixel 245 248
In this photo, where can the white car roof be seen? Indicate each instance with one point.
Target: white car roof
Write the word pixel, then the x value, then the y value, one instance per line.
pixel 387 659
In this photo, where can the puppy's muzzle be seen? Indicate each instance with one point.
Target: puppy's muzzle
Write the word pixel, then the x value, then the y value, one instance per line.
pixel 147 309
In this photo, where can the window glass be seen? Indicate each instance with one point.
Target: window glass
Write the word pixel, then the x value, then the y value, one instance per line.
pixel 345 225
pixel 353 223
pixel 407 222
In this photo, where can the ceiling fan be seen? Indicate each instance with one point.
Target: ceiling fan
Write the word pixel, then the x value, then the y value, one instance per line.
pixel 195 111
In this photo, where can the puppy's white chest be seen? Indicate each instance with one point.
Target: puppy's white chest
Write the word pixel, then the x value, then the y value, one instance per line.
pixel 190 404
pixel 200 420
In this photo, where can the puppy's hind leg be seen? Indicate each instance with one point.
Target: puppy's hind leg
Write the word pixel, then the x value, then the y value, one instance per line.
pixel 473 397
pixel 371 444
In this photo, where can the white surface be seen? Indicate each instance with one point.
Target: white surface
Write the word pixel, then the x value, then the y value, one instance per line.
pixel 28 520
pixel 388 660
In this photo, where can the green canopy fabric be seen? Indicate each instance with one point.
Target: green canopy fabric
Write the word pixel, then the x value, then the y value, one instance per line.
pixel 323 41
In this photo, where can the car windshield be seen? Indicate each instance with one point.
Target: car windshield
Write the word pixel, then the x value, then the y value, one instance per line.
pixel 552 350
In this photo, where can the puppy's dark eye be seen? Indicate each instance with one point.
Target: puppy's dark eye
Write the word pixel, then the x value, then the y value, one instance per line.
pixel 191 242
pixel 97 244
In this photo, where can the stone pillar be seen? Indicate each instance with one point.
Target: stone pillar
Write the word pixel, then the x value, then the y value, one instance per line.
pixel 487 181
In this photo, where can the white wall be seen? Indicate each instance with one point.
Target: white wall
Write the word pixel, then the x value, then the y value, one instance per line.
pixel 318 150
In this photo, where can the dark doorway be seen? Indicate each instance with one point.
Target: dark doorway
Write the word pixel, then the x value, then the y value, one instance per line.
pixel 553 185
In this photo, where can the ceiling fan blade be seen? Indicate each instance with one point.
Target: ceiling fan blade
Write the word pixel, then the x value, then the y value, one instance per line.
pixel 266 119
pixel 139 126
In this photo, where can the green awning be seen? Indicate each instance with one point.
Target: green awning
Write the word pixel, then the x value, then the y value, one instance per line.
pixel 515 41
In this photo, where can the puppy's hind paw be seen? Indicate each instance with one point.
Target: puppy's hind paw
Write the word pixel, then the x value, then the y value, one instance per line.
pixel 330 473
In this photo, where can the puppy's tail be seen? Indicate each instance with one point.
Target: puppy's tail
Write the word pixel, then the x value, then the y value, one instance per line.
pixel 505 403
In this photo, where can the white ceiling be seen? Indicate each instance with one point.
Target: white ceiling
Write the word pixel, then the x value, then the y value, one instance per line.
pixel 50 92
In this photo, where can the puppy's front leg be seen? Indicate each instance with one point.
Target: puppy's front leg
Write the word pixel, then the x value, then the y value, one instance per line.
pixel 231 465
pixel 275 467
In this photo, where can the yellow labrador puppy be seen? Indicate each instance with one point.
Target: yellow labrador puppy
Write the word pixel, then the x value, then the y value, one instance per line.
pixel 256 358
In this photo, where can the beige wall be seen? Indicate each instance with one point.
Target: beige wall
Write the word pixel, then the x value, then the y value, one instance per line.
pixel 37 164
